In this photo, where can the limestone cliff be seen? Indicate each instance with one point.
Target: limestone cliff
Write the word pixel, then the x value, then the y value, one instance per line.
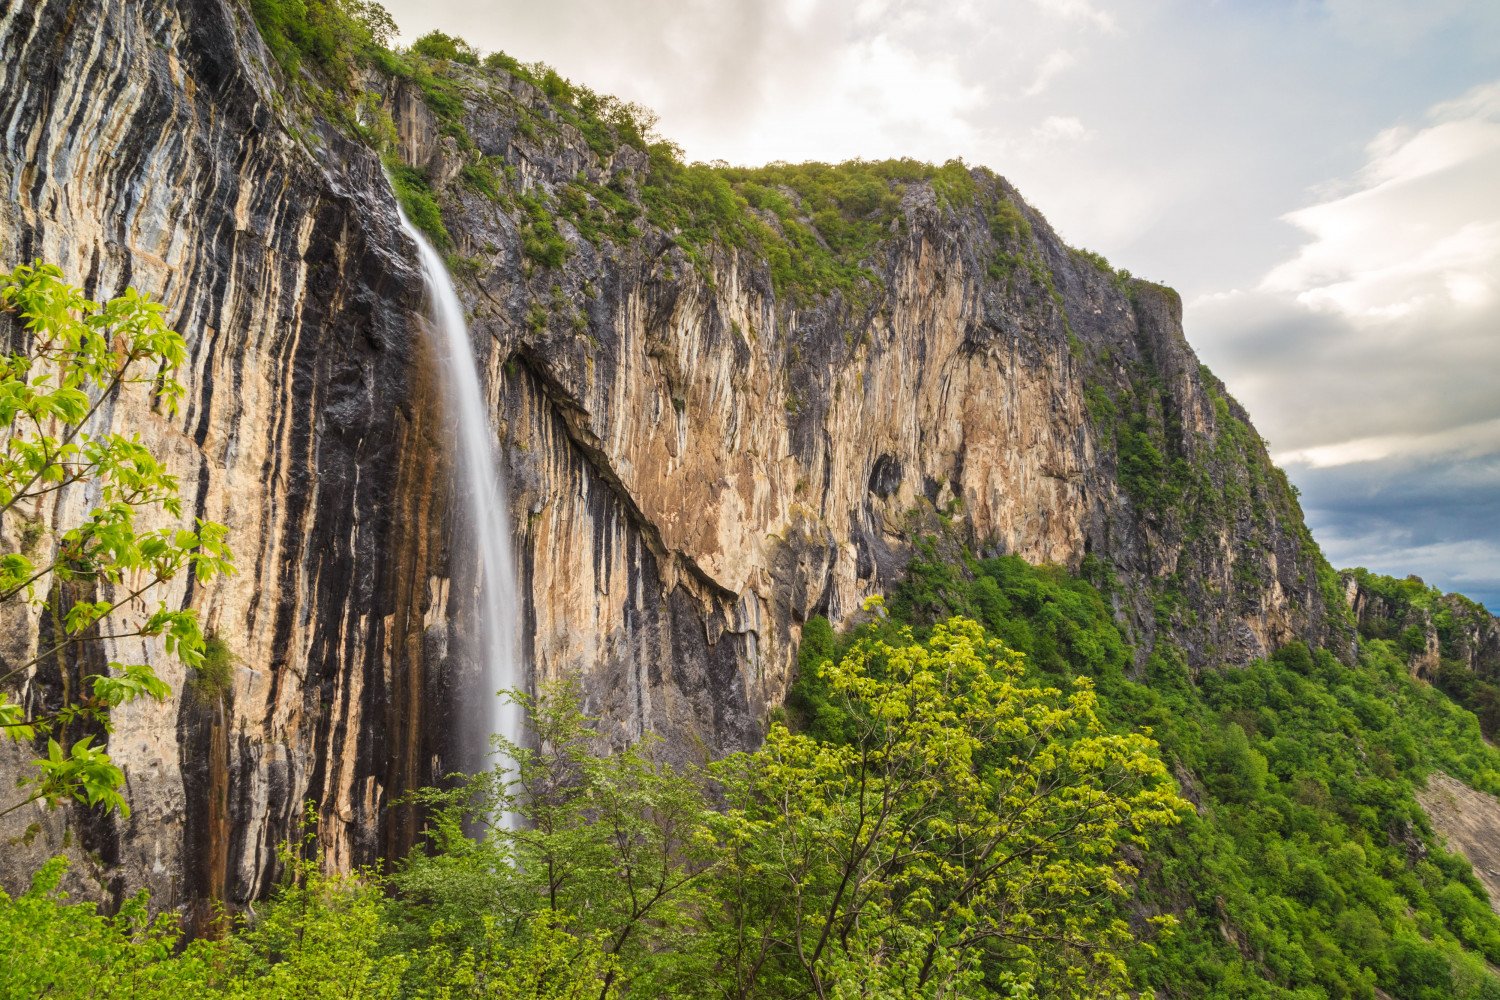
pixel 1430 627
pixel 701 457
pixel 144 144
pixel 756 460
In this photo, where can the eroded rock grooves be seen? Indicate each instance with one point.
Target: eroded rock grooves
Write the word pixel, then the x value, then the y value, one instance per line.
pixel 142 147
pixel 696 465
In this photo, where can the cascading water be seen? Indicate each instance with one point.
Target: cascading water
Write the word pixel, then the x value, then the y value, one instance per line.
pixel 498 643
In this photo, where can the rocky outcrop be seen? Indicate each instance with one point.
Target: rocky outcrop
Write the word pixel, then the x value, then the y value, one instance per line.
pixel 1431 628
pixel 1466 820
pixel 698 463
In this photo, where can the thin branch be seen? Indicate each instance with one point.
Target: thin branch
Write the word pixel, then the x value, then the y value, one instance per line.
pixel 73 432
pixel 78 638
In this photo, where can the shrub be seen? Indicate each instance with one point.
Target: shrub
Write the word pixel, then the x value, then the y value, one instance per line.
pixel 419 203
pixel 330 37
pixel 439 45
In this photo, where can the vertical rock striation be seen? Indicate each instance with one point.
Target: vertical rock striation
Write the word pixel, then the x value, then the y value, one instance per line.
pixel 144 144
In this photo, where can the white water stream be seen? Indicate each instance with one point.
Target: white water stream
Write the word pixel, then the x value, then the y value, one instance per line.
pixel 497 645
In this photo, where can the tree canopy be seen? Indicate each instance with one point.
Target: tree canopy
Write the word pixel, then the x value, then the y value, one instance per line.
pixel 958 843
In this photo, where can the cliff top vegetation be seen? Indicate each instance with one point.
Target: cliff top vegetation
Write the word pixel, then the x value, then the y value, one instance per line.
pixel 819 227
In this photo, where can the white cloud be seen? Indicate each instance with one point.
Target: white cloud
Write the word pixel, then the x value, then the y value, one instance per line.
pixel 800 13
pixel 1419 236
pixel 1080 11
pixel 873 98
pixel 1216 298
pixel 1057 62
pixel 1402 24
pixel 1369 355
pixel 1375 340
pixel 1466 441
pixel 1064 128
pixel 1482 102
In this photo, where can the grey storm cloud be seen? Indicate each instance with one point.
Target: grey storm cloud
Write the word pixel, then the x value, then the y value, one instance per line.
pixel 1434 518
pixel 1320 180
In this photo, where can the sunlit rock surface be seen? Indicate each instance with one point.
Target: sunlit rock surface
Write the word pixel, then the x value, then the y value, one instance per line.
pixel 696 466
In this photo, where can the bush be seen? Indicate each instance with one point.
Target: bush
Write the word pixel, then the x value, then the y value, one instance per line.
pixel 331 37
pixel 419 203
pixel 542 244
pixel 438 45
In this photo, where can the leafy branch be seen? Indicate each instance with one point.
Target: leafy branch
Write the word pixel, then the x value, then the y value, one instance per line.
pixel 76 359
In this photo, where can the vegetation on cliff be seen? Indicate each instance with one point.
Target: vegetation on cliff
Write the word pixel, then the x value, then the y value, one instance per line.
pixel 331 38
pixel 1423 623
pixel 818 227
pixel 73 358
pixel 963 829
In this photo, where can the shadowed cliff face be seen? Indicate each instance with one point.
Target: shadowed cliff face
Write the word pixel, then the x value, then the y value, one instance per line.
pixel 142 146
pixel 697 464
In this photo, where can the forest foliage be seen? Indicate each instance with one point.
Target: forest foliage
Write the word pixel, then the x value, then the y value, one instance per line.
pixel 1307 869
pixel 1407 611
pixel 966 833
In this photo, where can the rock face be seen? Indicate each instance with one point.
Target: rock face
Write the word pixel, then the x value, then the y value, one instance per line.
pixel 1430 627
pixel 698 464
pixel 1466 820
pixel 142 146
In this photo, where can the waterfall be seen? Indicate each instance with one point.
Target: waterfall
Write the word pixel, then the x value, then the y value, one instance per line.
pixel 484 495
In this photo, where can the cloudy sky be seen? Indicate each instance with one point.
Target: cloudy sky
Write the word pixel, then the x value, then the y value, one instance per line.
pixel 1320 180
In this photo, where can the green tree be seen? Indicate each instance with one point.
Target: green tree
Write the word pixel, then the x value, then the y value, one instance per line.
pixel 441 45
pixel 965 842
pixel 958 833
pixel 56 948
pixel 321 936
pixel 333 36
pixel 91 579
pixel 611 848
pixel 318 937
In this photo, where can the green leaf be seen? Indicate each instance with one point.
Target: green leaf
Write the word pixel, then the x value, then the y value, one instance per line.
pixel 76 357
